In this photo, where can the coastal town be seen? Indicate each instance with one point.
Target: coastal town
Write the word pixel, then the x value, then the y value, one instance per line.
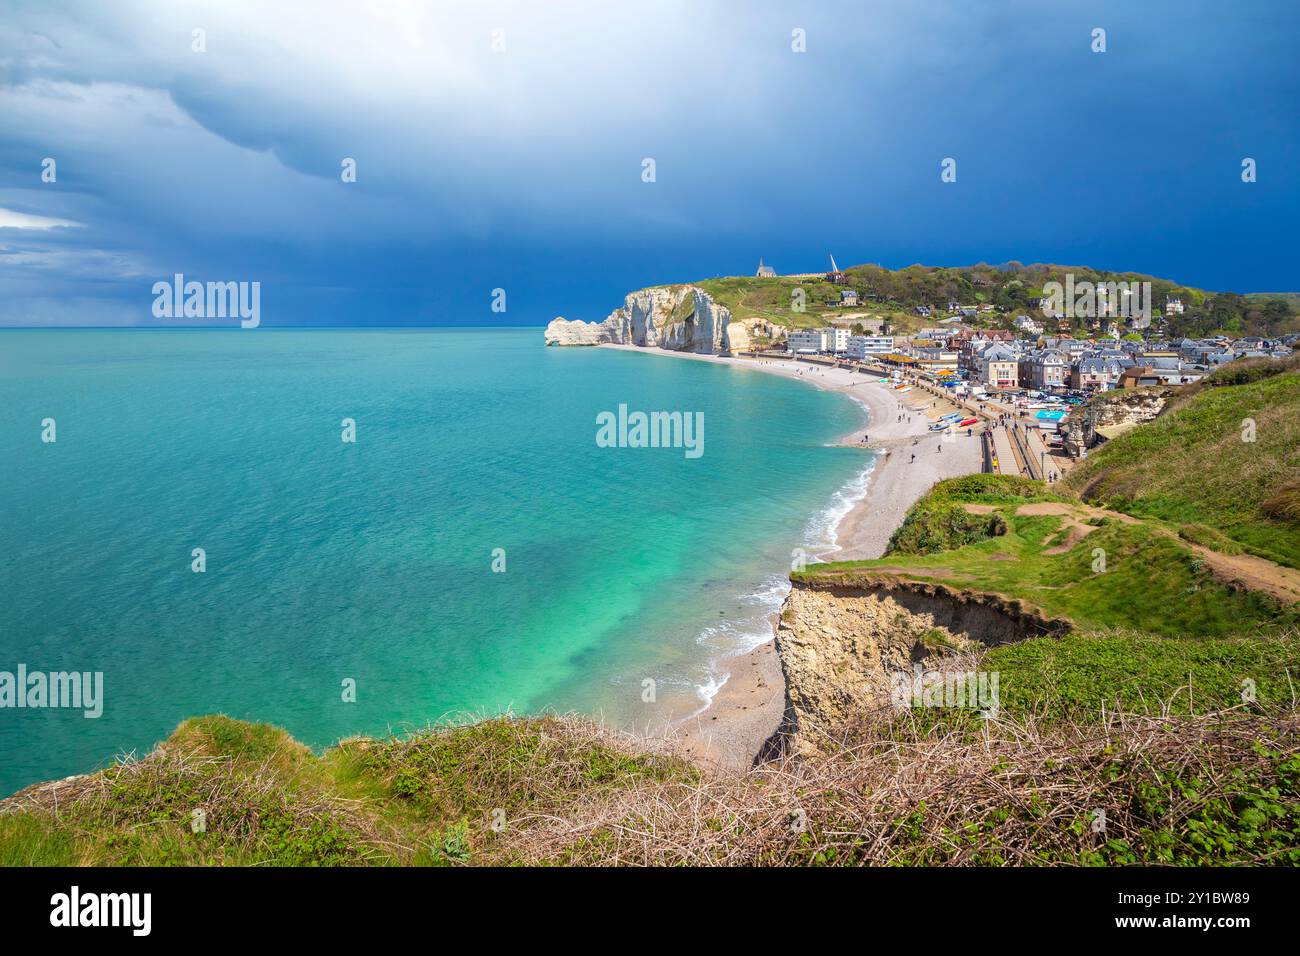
pixel 1024 381
pixel 1040 363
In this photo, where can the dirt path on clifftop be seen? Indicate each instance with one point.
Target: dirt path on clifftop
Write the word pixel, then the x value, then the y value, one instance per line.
pixel 1244 570
pixel 1257 574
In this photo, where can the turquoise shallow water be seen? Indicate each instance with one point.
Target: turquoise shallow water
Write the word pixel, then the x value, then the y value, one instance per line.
pixel 373 561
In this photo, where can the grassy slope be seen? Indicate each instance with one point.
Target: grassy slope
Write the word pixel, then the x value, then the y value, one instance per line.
pixel 1074 678
pixel 1151 581
pixel 269 800
pixel 1192 466
pixel 1189 790
pixel 773 299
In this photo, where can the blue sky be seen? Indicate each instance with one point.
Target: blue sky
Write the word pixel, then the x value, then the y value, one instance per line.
pixel 521 168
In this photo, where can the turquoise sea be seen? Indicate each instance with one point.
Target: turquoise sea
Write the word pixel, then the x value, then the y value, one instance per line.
pixel 373 561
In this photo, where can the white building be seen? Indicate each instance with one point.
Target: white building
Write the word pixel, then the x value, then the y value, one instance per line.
pixel 807 340
pixel 865 346
pixel 819 340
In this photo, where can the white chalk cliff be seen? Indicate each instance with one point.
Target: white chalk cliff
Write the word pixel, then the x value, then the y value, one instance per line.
pixel 679 318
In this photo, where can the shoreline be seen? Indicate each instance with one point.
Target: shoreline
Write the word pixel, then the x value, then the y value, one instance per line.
pixel 747 708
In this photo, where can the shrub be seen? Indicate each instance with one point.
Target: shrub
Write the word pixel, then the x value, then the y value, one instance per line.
pixel 943 526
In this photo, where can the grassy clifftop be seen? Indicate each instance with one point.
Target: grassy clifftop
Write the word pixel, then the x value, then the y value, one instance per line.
pixel 1011 287
pixel 224 792
pixel 1225 455
pixel 1219 784
pixel 1151 581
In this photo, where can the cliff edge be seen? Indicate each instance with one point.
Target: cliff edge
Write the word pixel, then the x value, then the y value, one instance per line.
pixel 678 318
pixel 842 635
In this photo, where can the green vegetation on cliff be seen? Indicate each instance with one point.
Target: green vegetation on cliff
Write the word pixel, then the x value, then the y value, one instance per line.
pixel 1010 289
pixel 442 797
pixel 1225 455
pixel 1076 678
pixel 940 521
pixel 1201 790
pixel 1012 537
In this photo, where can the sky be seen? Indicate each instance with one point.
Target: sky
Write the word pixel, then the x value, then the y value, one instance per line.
pixel 503 146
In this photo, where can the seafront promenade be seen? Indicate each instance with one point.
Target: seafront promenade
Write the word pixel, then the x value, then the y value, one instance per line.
pixel 1017 447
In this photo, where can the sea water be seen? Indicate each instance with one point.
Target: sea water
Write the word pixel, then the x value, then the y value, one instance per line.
pixel 473 550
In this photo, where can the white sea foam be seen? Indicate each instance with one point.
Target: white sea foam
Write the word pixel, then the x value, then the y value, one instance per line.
pixel 821 535
pixel 753 626
pixel 707 691
pixel 822 532
pixel 738 636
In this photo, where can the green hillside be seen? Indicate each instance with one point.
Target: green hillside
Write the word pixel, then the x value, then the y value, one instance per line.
pixel 1202 463
pixel 1212 783
pixel 1023 543
pixel 894 295
pixel 776 300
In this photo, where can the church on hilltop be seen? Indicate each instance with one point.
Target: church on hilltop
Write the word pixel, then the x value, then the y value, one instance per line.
pixel 764 272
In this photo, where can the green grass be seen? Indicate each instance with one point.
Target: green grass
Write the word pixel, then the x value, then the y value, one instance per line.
pixel 775 300
pixel 1151 582
pixel 427 799
pixel 1193 465
pixel 1207 537
pixel 34 839
pixel 1082 677
pixel 499 764
pixel 989 489
pixel 1078 676
pixel 565 793
pixel 939 522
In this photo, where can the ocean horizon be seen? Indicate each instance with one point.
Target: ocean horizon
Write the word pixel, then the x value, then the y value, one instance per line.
pixel 472 551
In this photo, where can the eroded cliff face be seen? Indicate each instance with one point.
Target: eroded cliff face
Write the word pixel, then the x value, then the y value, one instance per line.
pixel 679 318
pixel 840 640
pixel 1136 405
